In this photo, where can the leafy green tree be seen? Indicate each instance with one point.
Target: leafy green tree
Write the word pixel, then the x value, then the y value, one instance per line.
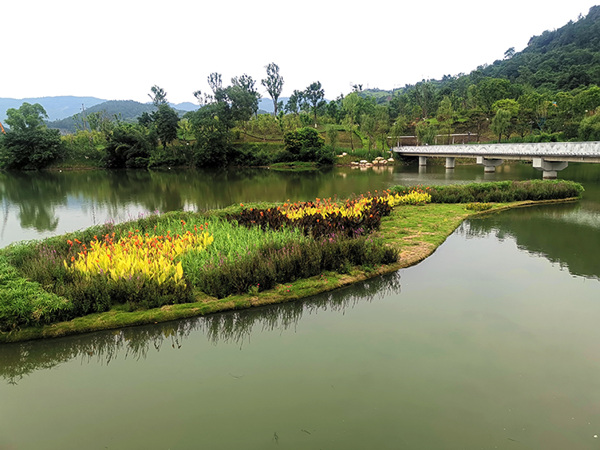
pixel 305 144
pixel 445 117
pixel 589 129
pixel 294 102
pixel 249 93
pixel 129 145
pixel 424 94
pixel 334 109
pixel 368 126
pixel 213 135
pixel 332 135
pixel 508 54
pixel 29 144
pixel 501 123
pixel 215 81
pixel 166 121
pixel 512 108
pixel 274 84
pixel 213 123
pixel 315 95
pixel 399 128
pixel 158 96
pixel 490 90
pixel 27 117
pixel 426 132
pixel 382 124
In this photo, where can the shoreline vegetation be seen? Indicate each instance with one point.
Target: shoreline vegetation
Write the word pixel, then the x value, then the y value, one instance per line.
pixel 182 264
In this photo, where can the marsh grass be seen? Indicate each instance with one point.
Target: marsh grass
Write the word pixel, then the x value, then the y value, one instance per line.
pixel 502 191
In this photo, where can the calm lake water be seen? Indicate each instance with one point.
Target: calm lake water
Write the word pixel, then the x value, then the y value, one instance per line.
pixel 492 342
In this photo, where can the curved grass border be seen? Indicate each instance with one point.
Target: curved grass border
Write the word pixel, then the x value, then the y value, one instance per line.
pixel 417 230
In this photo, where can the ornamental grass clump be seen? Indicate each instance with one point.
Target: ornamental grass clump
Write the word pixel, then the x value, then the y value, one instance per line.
pixel 273 264
pixel 502 191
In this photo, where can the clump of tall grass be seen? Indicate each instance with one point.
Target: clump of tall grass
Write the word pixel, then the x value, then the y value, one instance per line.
pixel 502 191
pixel 274 264
pixel 25 303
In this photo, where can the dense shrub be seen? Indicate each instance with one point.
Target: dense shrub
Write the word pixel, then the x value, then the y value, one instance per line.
pixel 129 146
pixel 305 144
pixel 30 149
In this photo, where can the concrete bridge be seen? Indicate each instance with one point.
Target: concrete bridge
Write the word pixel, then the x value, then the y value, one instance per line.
pixel 549 157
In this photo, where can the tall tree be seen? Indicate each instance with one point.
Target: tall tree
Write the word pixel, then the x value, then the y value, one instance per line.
pixel 215 82
pixel 247 85
pixel 445 117
pixel 501 123
pixel 315 95
pixel 27 117
pixel 166 121
pixel 274 84
pixel 29 144
pixel 158 96
pixel 294 102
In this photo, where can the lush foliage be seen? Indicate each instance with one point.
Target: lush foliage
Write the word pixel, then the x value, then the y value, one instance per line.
pixel 162 260
pixel 134 255
pixel 129 146
pixel 305 144
pixel 324 217
pixel 503 191
pixel 29 144
pixel 548 92
pixel 272 265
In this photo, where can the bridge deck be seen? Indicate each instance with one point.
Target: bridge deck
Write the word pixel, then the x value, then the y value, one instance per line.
pixel 550 151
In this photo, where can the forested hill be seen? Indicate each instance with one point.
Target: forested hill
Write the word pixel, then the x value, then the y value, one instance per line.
pixel 56 107
pixel 563 59
pixel 125 110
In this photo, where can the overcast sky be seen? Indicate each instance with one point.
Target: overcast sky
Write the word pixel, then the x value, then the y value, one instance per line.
pixel 118 49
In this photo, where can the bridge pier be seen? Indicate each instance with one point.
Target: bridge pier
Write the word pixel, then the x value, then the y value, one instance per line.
pixel 450 163
pixel 550 168
pixel 489 164
pixel 422 161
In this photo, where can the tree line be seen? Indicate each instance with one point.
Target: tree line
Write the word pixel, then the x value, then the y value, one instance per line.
pixel 502 102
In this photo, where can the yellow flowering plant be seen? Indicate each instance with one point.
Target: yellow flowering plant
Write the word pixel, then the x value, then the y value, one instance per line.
pixel 154 257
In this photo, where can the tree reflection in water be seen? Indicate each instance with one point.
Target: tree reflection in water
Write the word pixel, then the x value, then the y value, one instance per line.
pixel 19 360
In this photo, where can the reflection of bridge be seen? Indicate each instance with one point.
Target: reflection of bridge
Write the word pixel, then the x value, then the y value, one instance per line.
pixel 550 157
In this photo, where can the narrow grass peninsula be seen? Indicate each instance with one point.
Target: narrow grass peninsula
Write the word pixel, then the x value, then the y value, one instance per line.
pixel 179 265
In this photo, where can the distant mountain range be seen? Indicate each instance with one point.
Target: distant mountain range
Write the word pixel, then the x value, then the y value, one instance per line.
pixel 62 111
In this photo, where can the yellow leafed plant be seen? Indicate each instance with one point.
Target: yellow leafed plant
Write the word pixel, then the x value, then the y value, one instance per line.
pixel 151 256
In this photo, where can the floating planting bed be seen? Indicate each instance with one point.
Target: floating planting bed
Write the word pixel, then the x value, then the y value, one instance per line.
pixel 182 264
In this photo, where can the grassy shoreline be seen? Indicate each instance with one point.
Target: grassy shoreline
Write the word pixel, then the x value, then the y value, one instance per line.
pixel 417 231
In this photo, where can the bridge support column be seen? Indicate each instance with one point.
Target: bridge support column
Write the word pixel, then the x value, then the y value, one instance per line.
pixel 422 161
pixel 450 163
pixel 550 168
pixel 489 164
